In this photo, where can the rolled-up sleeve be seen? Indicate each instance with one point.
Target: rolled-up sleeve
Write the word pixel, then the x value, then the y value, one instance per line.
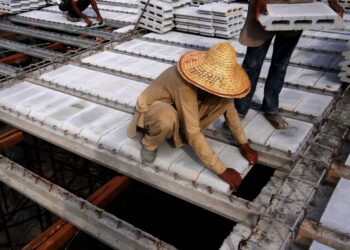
pixel 187 107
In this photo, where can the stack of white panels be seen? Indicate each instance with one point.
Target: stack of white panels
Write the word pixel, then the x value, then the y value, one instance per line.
pixel 158 16
pixel 43 3
pixel 33 4
pixel 202 2
pixel 227 18
pixel 25 5
pixel 10 6
pixel 178 3
pixel 17 6
pixel 188 19
pixel 215 19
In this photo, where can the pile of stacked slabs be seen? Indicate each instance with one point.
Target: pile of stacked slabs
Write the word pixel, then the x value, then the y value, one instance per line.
pixel 216 19
pixel 345 66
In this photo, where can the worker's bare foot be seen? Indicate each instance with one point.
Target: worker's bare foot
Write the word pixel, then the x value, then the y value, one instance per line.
pixel 276 120
pixel 232 177
pixel 148 156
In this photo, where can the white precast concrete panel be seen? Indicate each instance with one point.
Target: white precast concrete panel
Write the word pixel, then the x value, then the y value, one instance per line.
pixel 315 105
pixel 259 123
pixel 347 162
pixel 59 116
pixel 150 69
pixel 295 75
pixel 51 17
pixel 95 130
pixel 291 138
pixel 5 92
pixel 337 213
pixel 299 17
pixel 318 246
pixel 76 124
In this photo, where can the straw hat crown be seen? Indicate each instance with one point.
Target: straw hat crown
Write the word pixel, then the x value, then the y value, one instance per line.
pixel 215 71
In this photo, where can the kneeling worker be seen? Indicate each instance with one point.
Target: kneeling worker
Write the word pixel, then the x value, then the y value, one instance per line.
pixel 188 97
pixel 75 9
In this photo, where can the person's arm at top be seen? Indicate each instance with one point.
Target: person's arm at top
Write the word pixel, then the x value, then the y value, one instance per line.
pixel 336 7
pixel 95 8
pixel 260 8
pixel 77 11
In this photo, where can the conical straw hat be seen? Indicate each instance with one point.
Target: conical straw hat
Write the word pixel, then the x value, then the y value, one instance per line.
pixel 215 71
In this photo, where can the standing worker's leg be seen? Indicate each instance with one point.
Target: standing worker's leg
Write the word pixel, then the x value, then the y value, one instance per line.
pixel 252 64
pixel 282 51
pixel 160 122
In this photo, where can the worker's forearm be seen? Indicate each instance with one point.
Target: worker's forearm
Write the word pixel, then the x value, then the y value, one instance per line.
pixel 95 8
pixel 205 153
pixel 77 11
pixel 234 124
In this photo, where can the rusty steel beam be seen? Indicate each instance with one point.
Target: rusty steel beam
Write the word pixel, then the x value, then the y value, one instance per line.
pixel 57 235
pixel 19 57
pixel 10 138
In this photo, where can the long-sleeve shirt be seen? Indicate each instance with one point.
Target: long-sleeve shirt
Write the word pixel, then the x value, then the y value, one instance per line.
pixel 196 109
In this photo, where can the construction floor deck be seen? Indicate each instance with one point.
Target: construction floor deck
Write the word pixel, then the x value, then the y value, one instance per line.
pixel 85 106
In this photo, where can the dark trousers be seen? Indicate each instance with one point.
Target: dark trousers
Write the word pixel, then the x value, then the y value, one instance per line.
pixel 282 51
pixel 66 6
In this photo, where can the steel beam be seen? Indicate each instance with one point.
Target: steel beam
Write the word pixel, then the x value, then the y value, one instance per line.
pixel 63 27
pixel 30 50
pixel 45 35
pixel 109 229
pixel 7 69
pixel 58 234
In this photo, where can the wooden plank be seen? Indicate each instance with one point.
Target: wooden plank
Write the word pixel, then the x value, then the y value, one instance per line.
pixel 57 235
pixel 310 230
pixel 337 171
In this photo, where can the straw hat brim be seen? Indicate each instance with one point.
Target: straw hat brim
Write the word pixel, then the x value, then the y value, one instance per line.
pixel 234 83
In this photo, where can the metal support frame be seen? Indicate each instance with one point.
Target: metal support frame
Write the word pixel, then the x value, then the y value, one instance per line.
pixel 58 234
pixel 46 35
pixel 62 27
pixel 102 225
pixel 30 50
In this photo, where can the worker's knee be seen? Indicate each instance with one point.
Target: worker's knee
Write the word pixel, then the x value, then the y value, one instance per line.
pixel 160 119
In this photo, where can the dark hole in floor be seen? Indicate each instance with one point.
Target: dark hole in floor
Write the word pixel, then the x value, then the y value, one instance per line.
pixel 175 221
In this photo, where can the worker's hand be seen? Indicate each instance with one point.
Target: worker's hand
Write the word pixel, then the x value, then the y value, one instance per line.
pixel 248 153
pixel 232 177
pixel 260 7
pixel 99 19
pixel 88 22
pixel 336 7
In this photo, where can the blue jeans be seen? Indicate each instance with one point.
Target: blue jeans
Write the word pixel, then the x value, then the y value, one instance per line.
pixel 282 51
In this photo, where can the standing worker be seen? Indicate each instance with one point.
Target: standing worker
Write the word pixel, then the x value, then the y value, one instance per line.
pixel 258 42
pixel 75 9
